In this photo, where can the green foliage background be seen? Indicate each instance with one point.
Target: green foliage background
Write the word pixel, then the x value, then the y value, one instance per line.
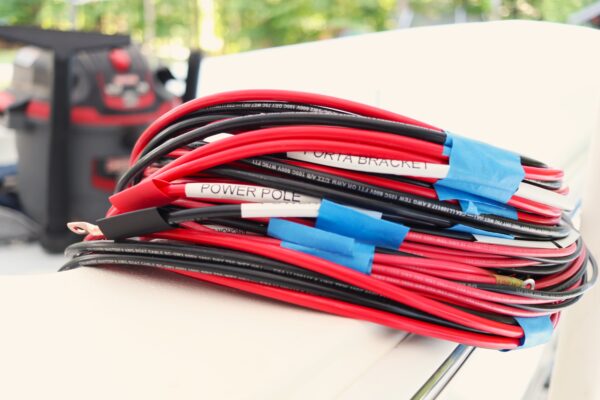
pixel 250 24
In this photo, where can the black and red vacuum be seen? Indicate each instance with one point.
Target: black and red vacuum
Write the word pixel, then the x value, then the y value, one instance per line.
pixel 78 102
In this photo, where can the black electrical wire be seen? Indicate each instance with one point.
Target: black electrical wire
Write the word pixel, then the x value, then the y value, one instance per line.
pixel 538 270
pixel 252 107
pixel 453 212
pixel 248 122
pixel 401 213
pixel 181 127
pixel 546 295
pixel 263 277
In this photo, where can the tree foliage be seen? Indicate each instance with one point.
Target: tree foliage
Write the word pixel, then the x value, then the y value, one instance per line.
pixel 245 24
pixel 20 12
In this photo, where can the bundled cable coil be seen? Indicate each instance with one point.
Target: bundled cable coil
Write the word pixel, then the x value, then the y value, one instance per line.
pixel 351 210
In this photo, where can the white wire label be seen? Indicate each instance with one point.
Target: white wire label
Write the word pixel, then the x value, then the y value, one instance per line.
pixel 372 164
pixel 250 193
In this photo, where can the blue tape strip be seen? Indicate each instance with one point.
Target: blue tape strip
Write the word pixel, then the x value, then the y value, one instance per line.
pixel 481 169
pixel 447 145
pixel 476 208
pixel 476 205
pixel 538 330
pixel 476 231
pixel 360 226
pixel 361 260
pixel 310 237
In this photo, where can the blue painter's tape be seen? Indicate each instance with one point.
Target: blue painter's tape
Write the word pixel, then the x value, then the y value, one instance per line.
pixel 476 205
pixel 481 169
pixel 477 208
pixel 538 330
pixel 475 231
pixel 361 260
pixel 346 221
pixel 310 237
pixel 327 245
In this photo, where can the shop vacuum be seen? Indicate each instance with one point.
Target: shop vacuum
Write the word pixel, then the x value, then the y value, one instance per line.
pixel 78 102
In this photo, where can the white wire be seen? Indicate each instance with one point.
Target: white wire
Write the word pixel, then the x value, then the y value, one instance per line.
pixel 280 210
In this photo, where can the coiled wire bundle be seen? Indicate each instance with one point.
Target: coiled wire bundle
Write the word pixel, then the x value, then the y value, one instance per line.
pixel 351 210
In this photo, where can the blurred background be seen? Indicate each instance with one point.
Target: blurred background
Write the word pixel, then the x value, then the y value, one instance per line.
pixel 169 28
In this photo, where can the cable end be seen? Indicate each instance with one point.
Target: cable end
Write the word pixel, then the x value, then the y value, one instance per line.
pixel 84 228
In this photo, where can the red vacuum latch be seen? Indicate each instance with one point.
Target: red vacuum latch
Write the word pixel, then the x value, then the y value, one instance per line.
pixel 120 60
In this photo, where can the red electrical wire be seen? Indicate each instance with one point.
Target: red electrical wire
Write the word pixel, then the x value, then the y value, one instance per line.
pixel 312 263
pixel 358 312
pixel 273 95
